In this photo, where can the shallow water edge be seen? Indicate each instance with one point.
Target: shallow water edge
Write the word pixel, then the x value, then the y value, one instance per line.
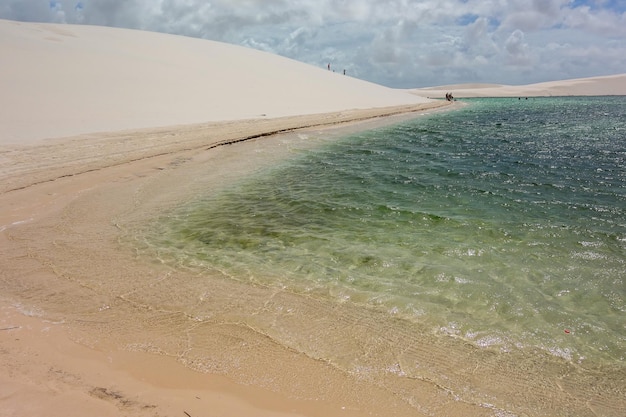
pixel 337 353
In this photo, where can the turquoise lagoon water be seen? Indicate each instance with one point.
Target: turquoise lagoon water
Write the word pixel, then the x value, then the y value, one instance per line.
pixel 503 223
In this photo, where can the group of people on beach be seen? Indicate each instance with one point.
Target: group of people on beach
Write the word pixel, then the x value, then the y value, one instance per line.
pixel 449 97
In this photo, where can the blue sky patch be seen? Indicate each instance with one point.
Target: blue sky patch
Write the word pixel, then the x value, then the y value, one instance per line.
pixel 615 5
pixel 467 19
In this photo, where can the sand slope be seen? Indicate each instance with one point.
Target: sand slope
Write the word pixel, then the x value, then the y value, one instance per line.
pixel 64 80
pixel 593 86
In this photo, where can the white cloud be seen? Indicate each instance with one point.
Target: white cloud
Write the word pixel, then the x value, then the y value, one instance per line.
pixel 400 43
pixel 603 22
pixel 479 40
pixel 517 48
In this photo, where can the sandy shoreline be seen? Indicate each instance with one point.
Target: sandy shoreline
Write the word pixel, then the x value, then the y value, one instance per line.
pixel 90 325
pixel 55 158
pixel 49 374
pixel 75 372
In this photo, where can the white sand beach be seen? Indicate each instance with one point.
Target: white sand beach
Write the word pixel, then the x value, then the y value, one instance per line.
pixel 103 127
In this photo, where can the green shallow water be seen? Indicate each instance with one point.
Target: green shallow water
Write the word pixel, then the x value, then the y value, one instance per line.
pixel 503 223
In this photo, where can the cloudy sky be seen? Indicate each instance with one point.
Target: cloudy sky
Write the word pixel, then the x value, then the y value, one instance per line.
pixel 397 43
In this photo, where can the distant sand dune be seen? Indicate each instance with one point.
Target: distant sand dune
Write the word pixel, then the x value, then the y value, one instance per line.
pixel 593 86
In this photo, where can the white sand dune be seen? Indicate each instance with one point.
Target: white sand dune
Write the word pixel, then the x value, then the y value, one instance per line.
pixel 65 80
pixel 593 86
